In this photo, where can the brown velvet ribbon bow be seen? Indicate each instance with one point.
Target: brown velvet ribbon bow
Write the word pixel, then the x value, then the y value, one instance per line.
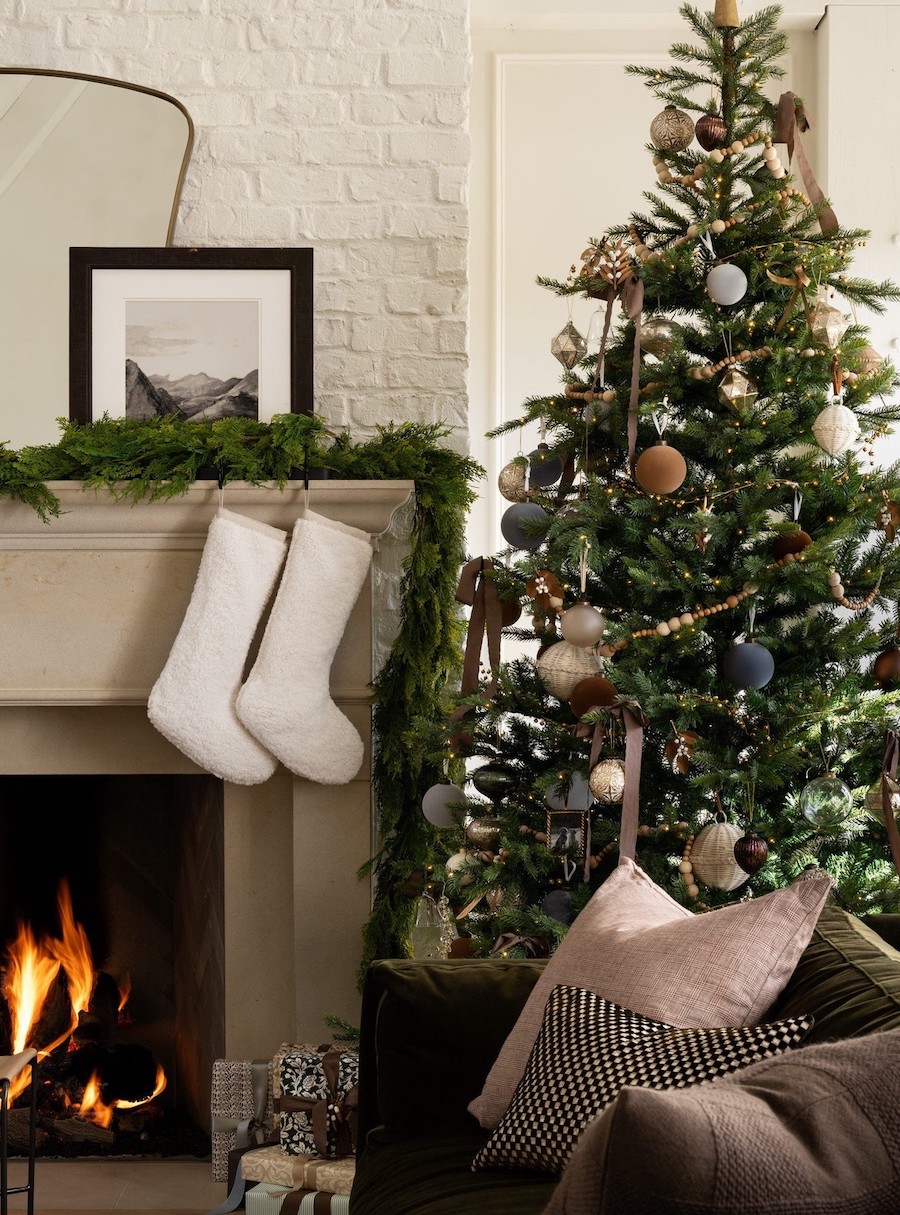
pixel 790 119
pixel 634 719
pixel 889 768
pixel 478 589
pixel 632 293
pixel 335 1112
pixel 535 947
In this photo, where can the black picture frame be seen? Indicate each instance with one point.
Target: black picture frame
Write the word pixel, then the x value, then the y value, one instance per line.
pixel 94 345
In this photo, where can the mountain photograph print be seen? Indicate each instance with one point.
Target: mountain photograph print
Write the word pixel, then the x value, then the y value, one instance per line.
pixel 192 358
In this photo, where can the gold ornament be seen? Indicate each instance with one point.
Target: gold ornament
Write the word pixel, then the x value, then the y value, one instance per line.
pixel 828 323
pixel 563 666
pixel 672 130
pixel 511 482
pixel 568 346
pixel 713 856
pixel 873 797
pixel 836 428
pixel 607 781
pixel 658 335
pixel 869 361
pixel 737 390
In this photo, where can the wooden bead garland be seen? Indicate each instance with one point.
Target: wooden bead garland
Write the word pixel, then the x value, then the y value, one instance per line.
pixel 686 869
pixel 855 605
pixel 708 370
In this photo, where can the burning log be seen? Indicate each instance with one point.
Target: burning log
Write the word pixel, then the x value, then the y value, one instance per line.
pixel 78 1130
pixel 98 1023
pixel 55 1021
pixel 18 1126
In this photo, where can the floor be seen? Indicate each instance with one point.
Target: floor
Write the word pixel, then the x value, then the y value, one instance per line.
pixel 140 1187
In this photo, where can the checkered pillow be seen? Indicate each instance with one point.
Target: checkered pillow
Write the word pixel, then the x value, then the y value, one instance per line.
pixel 588 1049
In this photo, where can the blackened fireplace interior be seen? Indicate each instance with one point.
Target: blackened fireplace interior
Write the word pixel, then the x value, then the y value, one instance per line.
pixel 143 859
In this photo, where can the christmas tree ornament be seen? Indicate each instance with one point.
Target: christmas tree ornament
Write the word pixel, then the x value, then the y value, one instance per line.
pixel 873 796
pixel 751 851
pixel 869 361
pixel 460 860
pixel 558 905
pixel 710 131
pixel 748 665
pixel 545 468
pixel 790 543
pixel 493 781
pixel 607 781
pixel 828 323
pixel 449 932
pixel 583 625
pixel 438 803
pixel 660 469
pixel 595 692
pixel 888 518
pixel 659 334
pixel 726 16
pixel 672 130
pixel 563 666
pixel 484 833
pixel 425 938
pixel 512 482
pixel 680 750
pixel 568 346
pixel 726 284
pixel 836 428
pixel 826 802
pixel 886 668
pixel 544 586
pixel 712 855
pixel 737 390
pixel 192 701
pixel 574 796
pixel 510 611
pixel 524 525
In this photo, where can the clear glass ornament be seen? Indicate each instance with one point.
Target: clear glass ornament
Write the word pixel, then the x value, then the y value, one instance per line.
pixel 825 802
pixel 737 390
pixel 568 346
pixel 595 332
pixel 448 925
pixel 427 931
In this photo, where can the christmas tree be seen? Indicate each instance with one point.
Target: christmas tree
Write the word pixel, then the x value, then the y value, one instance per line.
pixel 703 542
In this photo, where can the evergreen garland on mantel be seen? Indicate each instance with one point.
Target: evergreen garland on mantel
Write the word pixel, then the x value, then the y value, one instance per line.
pixel 161 458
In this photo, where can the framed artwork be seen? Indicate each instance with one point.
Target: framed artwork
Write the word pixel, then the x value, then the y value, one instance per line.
pixel 566 833
pixel 190 333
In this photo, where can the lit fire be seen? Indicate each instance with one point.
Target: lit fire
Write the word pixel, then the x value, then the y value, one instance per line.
pixel 31 973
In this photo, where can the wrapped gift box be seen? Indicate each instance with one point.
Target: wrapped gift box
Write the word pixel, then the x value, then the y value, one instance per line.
pixel 315 1097
pixel 266 1199
pixel 272 1165
pixel 241 1107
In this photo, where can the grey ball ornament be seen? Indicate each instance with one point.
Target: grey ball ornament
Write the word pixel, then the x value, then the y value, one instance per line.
pixel 583 625
pixel 748 665
pixel 558 905
pixel 438 802
pixel 519 522
pixel 726 283
pixel 545 468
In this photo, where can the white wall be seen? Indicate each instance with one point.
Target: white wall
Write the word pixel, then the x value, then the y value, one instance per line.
pixel 340 124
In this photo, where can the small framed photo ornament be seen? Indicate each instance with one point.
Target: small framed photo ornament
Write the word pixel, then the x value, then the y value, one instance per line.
pixel 566 833
pixel 195 334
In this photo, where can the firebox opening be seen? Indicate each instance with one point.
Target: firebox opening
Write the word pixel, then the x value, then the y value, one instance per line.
pixel 127 872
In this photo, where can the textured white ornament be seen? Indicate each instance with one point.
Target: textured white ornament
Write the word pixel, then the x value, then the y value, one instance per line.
pixel 607 781
pixel 713 857
pixel 564 666
pixel 836 428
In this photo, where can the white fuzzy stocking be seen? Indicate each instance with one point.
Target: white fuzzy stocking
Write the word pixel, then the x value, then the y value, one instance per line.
pixel 192 702
pixel 286 702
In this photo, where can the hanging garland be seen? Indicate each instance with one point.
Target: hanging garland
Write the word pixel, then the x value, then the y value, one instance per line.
pixel 161 458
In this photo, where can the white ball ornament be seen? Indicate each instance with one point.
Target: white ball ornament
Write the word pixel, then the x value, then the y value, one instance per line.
pixel 836 428
pixel 583 625
pixel 454 863
pixel 438 802
pixel 563 666
pixel 726 283
pixel 712 856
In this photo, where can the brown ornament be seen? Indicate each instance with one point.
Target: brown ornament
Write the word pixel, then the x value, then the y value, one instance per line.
pixel 750 851
pixel 672 130
pixel 888 519
pixel 595 692
pixel 680 750
pixel 484 832
pixel 886 669
pixel 544 586
pixel 510 611
pixel 790 542
pixel 710 131
pixel 462 947
pixel 660 469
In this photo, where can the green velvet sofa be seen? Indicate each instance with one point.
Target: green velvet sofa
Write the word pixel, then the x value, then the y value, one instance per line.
pixel 431 1030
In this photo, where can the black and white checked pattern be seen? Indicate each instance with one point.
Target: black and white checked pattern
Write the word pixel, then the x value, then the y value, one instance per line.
pixel 588 1049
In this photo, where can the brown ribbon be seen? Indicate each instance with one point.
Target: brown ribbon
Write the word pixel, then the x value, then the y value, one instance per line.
pixel 633 717
pixel 293 1201
pixel 333 1118
pixel 889 768
pixel 790 119
pixel 632 304
pixel 478 589
pixel 535 947
pixel 800 281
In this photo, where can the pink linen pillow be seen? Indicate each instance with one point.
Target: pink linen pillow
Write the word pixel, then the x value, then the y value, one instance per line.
pixel 635 946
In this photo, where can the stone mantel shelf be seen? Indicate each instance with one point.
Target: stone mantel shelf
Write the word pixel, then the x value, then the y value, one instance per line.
pixel 95 519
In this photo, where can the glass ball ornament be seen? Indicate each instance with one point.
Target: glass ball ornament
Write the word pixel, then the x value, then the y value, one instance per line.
pixel 568 346
pixel 660 469
pixel 672 130
pixel 545 468
pixel 712 856
pixel 493 781
pixel 873 797
pixel 751 851
pixel 710 130
pixel 726 284
pixel 607 781
pixel 520 524
pixel 511 482
pixel 484 833
pixel 836 428
pixel 825 802
pixel 583 625
pixel 737 390
pixel 563 666
pixel 748 665
pixel 659 335
pixel 578 796
pixel 438 803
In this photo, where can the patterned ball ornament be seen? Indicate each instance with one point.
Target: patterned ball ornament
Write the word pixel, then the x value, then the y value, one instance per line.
pixel 511 482
pixel 563 666
pixel 751 852
pixel 836 428
pixel 660 469
pixel 713 856
pixel 659 335
pixel 826 802
pixel 607 781
pixel 546 469
pixel 726 284
pixel 438 803
pixel 672 130
pixel 748 665
pixel 583 625
pixel 524 524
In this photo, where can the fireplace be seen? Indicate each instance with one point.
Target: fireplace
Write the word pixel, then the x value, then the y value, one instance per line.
pixel 244 928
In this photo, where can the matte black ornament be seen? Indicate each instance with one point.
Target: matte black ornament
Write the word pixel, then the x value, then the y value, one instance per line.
pixel 558 905
pixel 751 851
pixel 748 665
pixel 520 516
pixel 544 469
pixel 493 781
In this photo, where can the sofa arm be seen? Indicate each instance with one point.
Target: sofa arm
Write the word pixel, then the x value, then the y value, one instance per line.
pixel 429 1033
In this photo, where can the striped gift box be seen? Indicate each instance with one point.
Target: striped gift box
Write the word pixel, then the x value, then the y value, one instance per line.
pixel 268 1199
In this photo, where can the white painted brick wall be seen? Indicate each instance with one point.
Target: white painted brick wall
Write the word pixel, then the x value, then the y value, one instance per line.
pixel 340 124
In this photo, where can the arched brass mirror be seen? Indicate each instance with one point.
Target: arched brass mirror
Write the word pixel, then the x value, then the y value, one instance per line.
pixel 83 161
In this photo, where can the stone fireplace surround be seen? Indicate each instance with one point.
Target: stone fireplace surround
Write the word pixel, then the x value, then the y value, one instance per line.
pixel 90 604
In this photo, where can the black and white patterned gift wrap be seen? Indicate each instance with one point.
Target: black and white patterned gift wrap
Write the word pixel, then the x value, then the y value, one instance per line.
pixel 316 1092
pixel 240 1105
pixel 589 1048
